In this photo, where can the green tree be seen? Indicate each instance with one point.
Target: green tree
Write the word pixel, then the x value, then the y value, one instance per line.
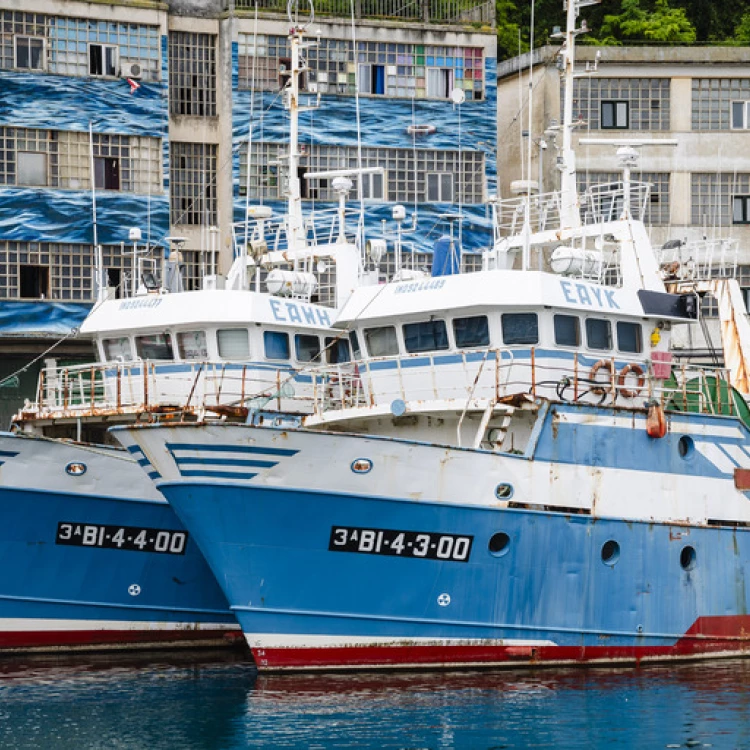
pixel 742 30
pixel 509 37
pixel 634 24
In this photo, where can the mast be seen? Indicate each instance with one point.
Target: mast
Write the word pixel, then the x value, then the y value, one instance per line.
pixel 570 217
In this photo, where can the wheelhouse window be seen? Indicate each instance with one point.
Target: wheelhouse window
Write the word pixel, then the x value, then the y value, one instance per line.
pixel 233 343
pixel 29 53
pixel 471 332
pixel 154 346
pixel 307 347
pixel 598 334
pixel 629 337
pixel 117 350
pixel 354 341
pixel 192 345
pixel 429 336
pixel 520 328
pixel 337 351
pixel 381 342
pixel 615 115
pixel 567 330
pixel 276 345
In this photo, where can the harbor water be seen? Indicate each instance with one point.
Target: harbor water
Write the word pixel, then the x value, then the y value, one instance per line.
pixel 205 701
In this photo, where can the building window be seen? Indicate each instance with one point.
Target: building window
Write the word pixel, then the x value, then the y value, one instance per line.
pixel 192 74
pixel 439 82
pixel 29 53
pixel 31 169
pixel 106 173
pixel 33 282
pixel 719 199
pixel 740 119
pixel 440 188
pixel 615 115
pixel 193 183
pixel 741 209
pixel 103 60
pixel 373 186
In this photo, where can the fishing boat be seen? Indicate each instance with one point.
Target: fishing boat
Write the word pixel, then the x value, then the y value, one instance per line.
pixel 92 555
pixel 518 471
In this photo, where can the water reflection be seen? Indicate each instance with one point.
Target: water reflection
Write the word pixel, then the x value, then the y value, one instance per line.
pixel 200 701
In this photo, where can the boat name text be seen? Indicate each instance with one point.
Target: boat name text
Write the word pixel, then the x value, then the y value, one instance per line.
pixel 419 286
pixel 583 294
pixel 291 312
pixel 138 304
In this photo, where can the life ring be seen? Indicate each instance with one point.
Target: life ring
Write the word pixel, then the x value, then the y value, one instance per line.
pixel 631 369
pixel 602 387
pixel 421 129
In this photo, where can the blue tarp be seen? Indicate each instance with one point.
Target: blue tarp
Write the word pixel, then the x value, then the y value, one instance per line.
pixel 40 318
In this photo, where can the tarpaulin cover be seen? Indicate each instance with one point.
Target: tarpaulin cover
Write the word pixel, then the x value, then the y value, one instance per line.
pixel 40 318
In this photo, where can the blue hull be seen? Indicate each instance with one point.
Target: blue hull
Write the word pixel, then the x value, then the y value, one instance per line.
pixel 62 589
pixel 550 594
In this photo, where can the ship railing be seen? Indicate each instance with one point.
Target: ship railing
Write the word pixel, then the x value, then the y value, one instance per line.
pixel 599 203
pixel 197 388
pixel 606 202
pixel 503 374
pixel 700 260
pixel 321 227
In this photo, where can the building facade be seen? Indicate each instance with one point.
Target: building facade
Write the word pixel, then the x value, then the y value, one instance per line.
pixel 698 97
pixel 167 118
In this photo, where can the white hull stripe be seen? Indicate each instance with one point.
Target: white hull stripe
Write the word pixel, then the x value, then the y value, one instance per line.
pixel 716 456
pixel 278 640
pixel 737 453
pixel 675 425
pixel 21 625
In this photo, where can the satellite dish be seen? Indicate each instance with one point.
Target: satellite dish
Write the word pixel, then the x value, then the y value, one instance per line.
pixel 458 96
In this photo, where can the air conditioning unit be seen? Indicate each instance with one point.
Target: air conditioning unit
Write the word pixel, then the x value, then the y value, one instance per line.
pixel 131 70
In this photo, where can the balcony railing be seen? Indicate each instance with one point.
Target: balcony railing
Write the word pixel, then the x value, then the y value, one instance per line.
pixel 427 11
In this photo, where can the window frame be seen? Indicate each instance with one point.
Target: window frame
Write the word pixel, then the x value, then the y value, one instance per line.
pixel 239 358
pixel 508 315
pixel 298 340
pixel 368 337
pixel 577 320
pixel 744 202
pixel 440 197
pixel 745 105
pixel 277 335
pixel 28 38
pixel 434 334
pixel 608 323
pixel 463 345
pixel 105 48
pixel 614 104
pixel 45 156
pixel 167 342
pixel 103 168
pixel 180 351
pixel 639 336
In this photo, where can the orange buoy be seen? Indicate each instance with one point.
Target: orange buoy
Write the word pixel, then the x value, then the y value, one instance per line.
pixel 656 424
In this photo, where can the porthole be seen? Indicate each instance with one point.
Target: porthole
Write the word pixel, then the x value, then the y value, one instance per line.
pixel 361 465
pixel 685 446
pixel 687 558
pixel 499 544
pixel 610 552
pixel 504 491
